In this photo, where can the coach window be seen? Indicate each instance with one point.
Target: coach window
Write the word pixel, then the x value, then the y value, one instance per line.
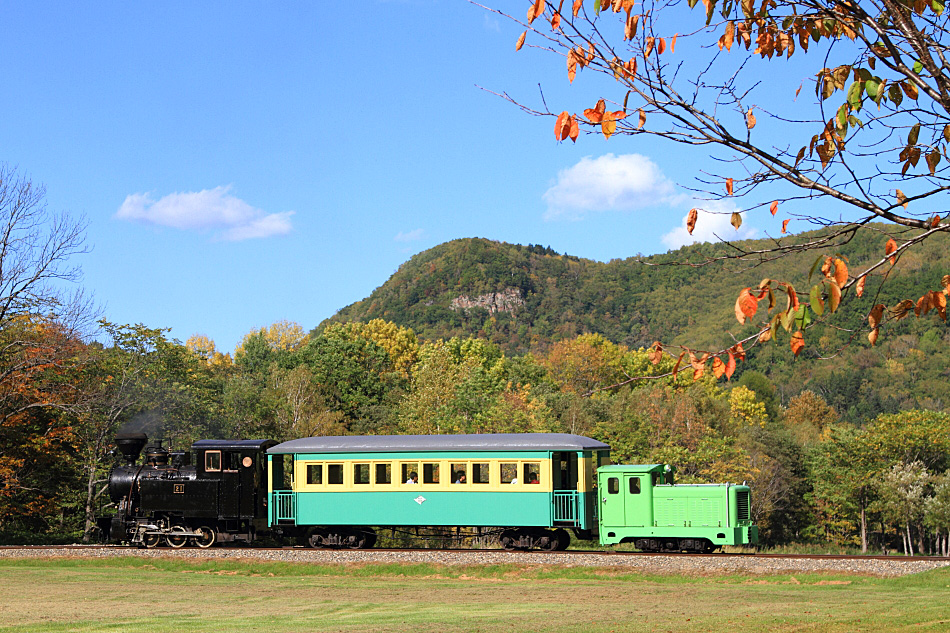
pixel 613 485
pixel 634 485
pixel 335 474
pixel 459 472
pixel 360 474
pixel 212 461
pixel 509 473
pixel 410 470
pixel 384 473
pixel 430 473
pixel 532 473
pixel 315 474
pixel 480 473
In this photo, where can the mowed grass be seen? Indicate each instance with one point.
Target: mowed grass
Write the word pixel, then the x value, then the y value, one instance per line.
pixel 171 595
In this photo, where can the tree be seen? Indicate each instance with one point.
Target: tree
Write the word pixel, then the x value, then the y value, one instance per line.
pixel 862 142
pixel 903 493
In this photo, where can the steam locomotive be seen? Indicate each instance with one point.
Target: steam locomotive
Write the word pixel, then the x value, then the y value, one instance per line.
pixel 167 499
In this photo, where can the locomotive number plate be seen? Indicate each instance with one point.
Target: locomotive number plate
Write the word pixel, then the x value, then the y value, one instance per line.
pixel 179 489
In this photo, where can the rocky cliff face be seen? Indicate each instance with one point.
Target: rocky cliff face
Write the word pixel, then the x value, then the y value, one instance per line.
pixel 506 301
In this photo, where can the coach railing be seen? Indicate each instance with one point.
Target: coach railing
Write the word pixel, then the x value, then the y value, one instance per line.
pixel 284 507
pixel 566 505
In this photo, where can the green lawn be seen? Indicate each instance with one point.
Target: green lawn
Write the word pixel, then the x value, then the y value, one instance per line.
pixel 174 596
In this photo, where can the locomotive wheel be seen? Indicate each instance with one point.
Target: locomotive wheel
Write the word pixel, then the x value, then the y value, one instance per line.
pixel 151 540
pixel 205 537
pixel 176 539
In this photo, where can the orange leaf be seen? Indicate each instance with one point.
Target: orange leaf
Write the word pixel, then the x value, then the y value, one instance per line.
pixel 578 4
pixel 785 225
pixel 729 186
pixel 691 220
pixel 575 129
pixel 643 119
pixel 737 351
pixel 521 41
pixel 736 220
pixel 798 342
pixel 872 335
pixel 535 11
pixel 649 48
pixel 841 273
pixel 656 354
pixel 673 43
pixel 661 46
pixel 608 126
pixel 746 305
pixel 889 248
pixel 555 21
pixel 562 127
pixel 730 366
pixel 774 207
pixel 718 367
pixel 749 119
pixel 596 114
pixel 874 316
pixel 859 289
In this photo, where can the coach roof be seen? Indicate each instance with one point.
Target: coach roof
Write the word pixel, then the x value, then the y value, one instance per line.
pixel 444 443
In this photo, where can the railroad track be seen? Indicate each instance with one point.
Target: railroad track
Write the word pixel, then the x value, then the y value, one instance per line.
pixel 647 562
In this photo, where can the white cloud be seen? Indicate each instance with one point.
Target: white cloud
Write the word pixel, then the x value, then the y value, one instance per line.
pixel 609 183
pixel 210 209
pixel 712 225
pixel 410 236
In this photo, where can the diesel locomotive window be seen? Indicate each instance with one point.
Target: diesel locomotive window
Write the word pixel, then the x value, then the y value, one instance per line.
pixel 384 473
pixel 430 473
pixel 613 485
pixel 532 473
pixel 361 473
pixel 315 474
pixel 634 485
pixel 509 473
pixel 335 474
pixel 410 472
pixel 480 473
pixel 459 472
pixel 212 461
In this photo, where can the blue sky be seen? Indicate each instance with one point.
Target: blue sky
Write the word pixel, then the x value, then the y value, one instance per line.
pixel 242 163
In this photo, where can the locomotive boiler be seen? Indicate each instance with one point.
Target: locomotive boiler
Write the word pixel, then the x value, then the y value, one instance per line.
pixel 216 492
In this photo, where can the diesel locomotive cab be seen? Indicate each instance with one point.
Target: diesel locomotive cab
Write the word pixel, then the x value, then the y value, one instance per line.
pixel 167 499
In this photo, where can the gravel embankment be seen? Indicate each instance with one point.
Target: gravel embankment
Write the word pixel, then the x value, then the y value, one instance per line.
pixel 653 564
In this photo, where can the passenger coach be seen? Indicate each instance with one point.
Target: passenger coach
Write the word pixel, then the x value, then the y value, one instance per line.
pixel 334 490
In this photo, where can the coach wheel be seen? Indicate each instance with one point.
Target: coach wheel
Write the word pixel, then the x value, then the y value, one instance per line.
pixel 317 539
pixel 563 539
pixel 177 538
pixel 508 540
pixel 356 539
pixel 205 537
pixel 548 541
pixel 151 540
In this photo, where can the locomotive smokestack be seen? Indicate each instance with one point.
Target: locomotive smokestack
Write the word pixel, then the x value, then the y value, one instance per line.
pixel 131 444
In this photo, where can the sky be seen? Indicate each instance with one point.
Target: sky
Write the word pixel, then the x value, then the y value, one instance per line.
pixel 241 163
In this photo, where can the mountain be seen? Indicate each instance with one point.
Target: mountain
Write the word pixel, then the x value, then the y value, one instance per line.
pixel 525 297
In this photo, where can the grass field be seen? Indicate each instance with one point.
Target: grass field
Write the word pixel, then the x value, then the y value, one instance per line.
pixel 175 596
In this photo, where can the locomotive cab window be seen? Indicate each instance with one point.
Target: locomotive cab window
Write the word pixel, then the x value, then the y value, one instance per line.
pixel 232 461
pixel 335 474
pixel 430 473
pixel 634 485
pixel 212 461
pixel 613 485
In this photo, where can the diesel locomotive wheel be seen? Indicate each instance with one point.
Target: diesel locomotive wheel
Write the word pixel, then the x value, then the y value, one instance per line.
pixel 177 538
pixel 205 537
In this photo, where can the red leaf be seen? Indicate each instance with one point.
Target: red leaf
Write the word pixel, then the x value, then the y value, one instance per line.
pixel 785 225
pixel 774 207
pixel 729 186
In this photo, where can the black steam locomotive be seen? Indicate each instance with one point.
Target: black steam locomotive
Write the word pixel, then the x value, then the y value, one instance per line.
pixel 167 499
